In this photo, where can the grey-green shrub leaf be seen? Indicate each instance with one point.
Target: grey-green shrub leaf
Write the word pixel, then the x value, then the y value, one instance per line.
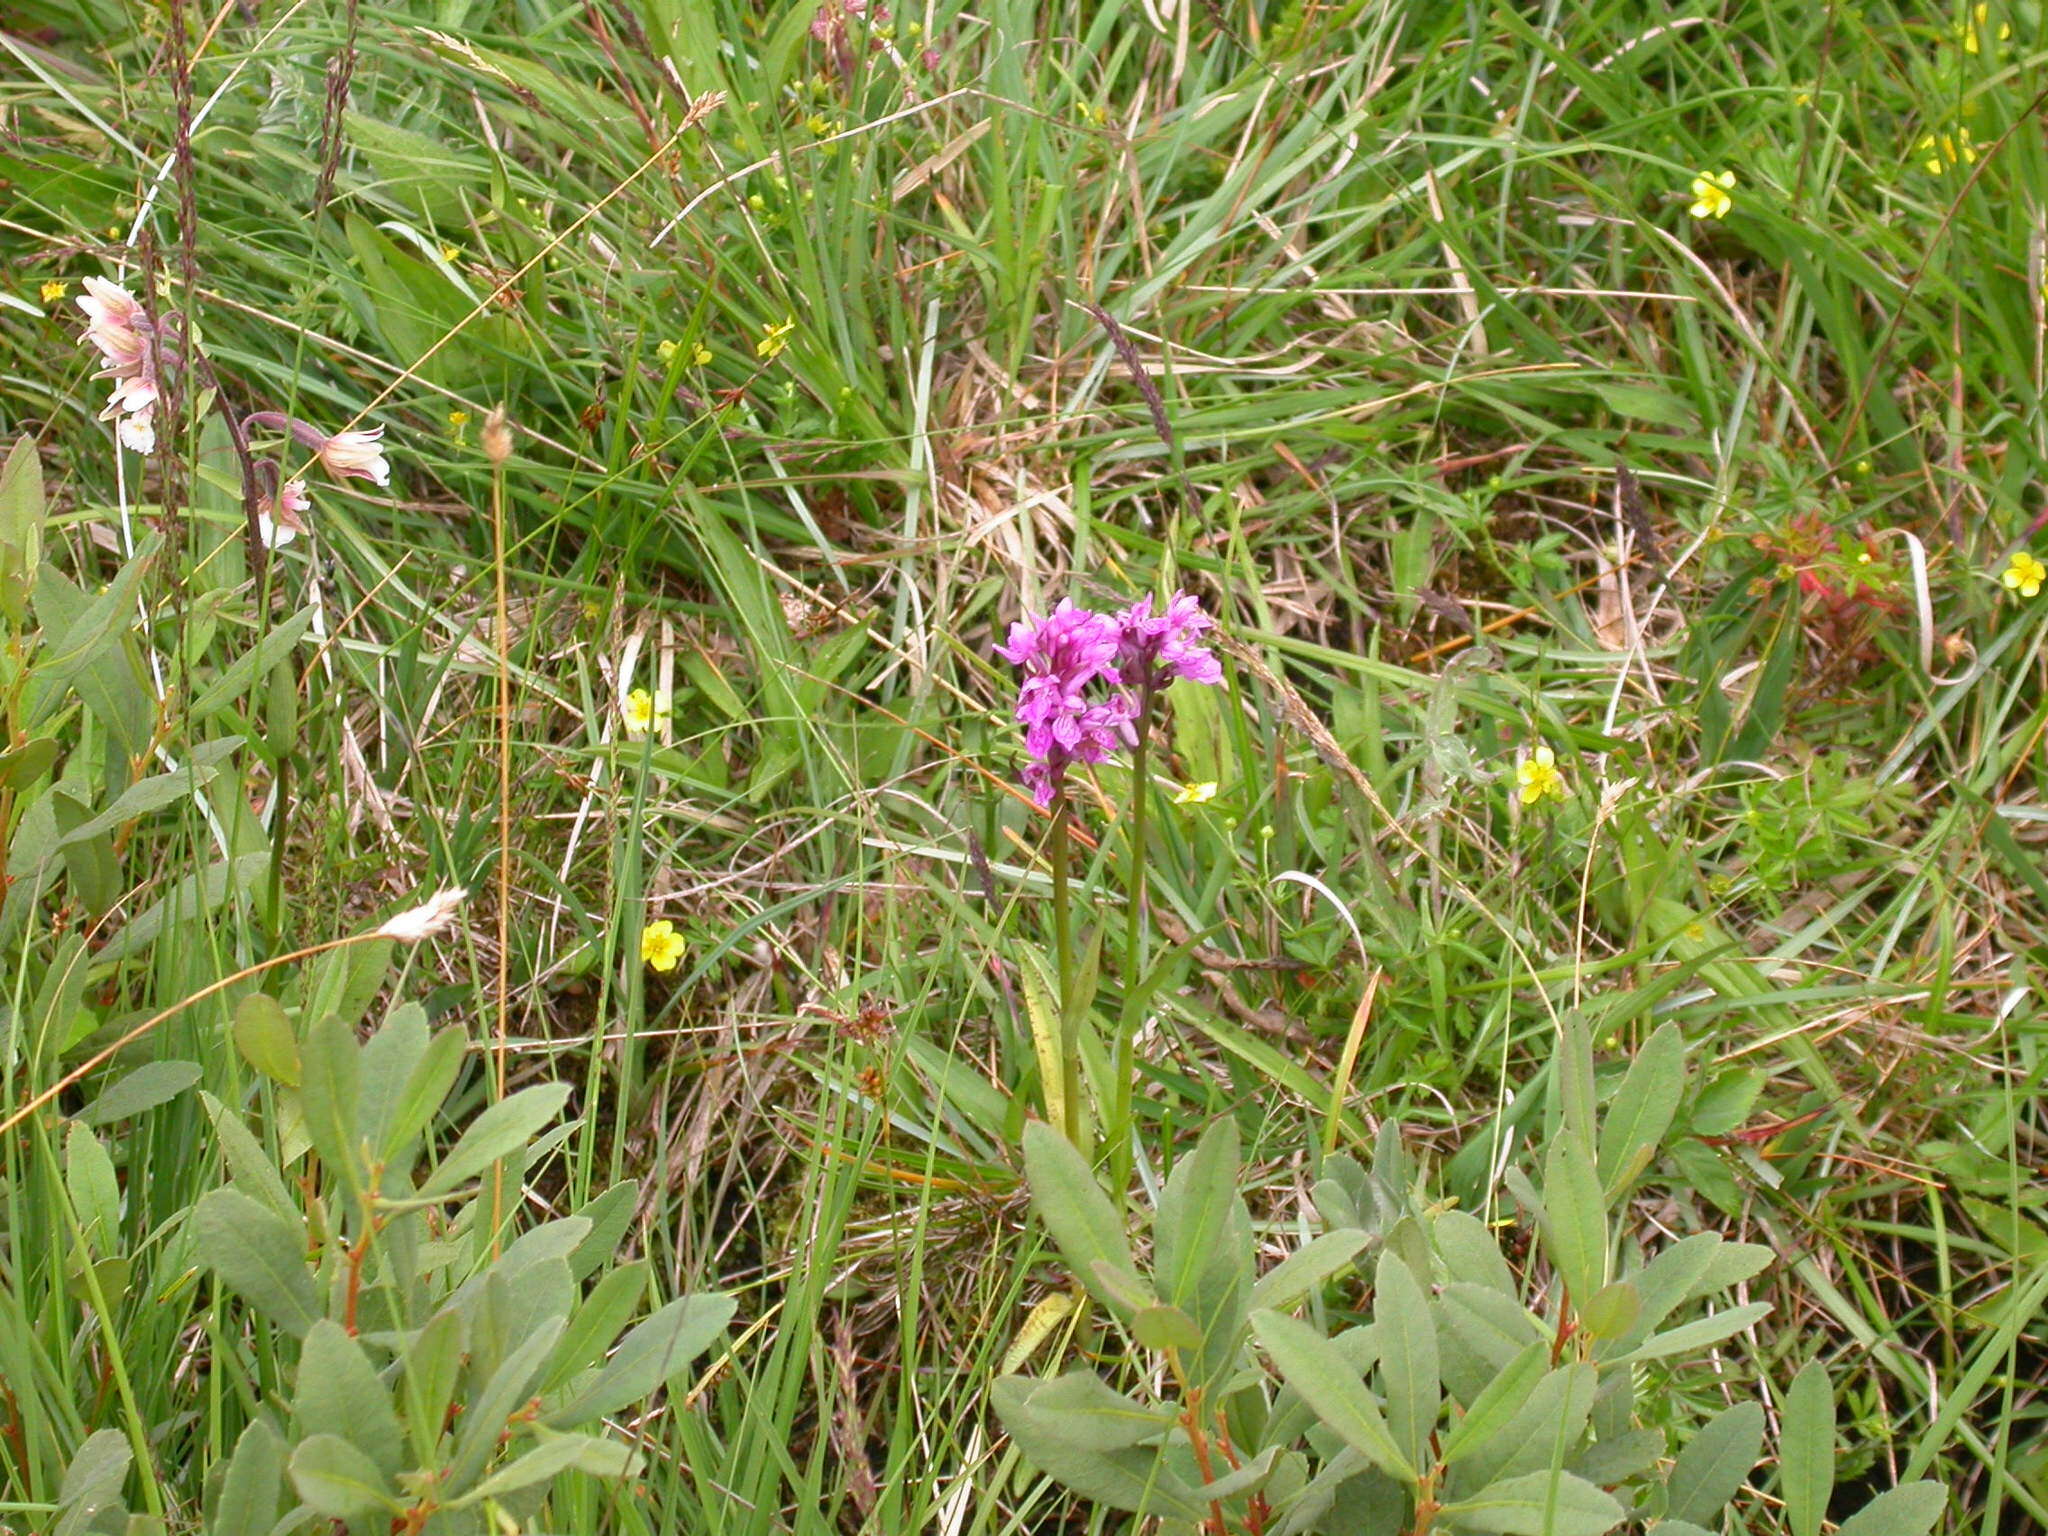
pixel 1495 1406
pixel 425 1090
pixel 1163 1326
pixel 1714 1464
pixel 339 1391
pixel 93 1480
pixel 1537 1504
pixel 597 1321
pixel 337 1479
pixel 249 1165
pixel 149 1085
pixel 1495 1327
pixel 1907 1510
pixel 1574 1222
pixel 1408 1360
pixel 94 1188
pixel 1076 1429
pixel 1698 1333
pixel 1612 1311
pixel 585 1453
pixel 329 1089
pixel 497 1133
pixel 1306 1268
pixel 1471 1253
pixel 662 1345
pixel 264 1037
pixel 1543 1431
pixel 485 1416
pixel 257 1253
pixel 1314 1368
pixel 1643 1108
pixel 1194 1212
pixel 1069 1200
pixel 1806 1449
pixel 247 1505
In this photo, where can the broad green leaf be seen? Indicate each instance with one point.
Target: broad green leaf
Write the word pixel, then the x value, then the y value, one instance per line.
pixel 583 1453
pixel 1543 1432
pixel 1642 1109
pixel 503 1129
pixel 1408 1362
pixel 1048 1046
pixel 1077 1430
pixel 264 1037
pixel 1806 1449
pixel 1574 1219
pixel 329 1095
pixel 664 1344
pixel 1574 1076
pixel 1306 1268
pixel 1491 1411
pixel 486 1415
pixel 149 1085
pixel 247 1505
pixel 338 1480
pixel 1699 1333
pixel 1164 1326
pixel 93 1481
pixel 1911 1509
pixel 1069 1200
pixel 609 1214
pixel 1612 1311
pixel 22 506
pixel 1537 1504
pixel 1495 1327
pixel 94 1189
pixel 425 1090
pixel 257 1253
pixel 1194 1212
pixel 384 1065
pixel 1714 1464
pixel 1616 1458
pixel 1315 1369
pixel 432 1366
pixel 240 675
pixel 339 1391
pixel 596 1322
pixel 249 1165
pixel 1471 1253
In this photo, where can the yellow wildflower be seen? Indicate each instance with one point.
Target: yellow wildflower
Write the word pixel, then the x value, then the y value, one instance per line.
pixel 1537 775
pixel 702 355
pixel 667 350
pixel 1710 199
pixel 1981 17
pixel 661 946
pixel 774 338
pixel 54 290
pixel 450 252
pixel 1196 794
pixel 641 711
pixel 1939 151
pixel 2025 575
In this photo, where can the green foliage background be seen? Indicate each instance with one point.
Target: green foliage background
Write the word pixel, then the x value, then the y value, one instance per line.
pixel 1476 438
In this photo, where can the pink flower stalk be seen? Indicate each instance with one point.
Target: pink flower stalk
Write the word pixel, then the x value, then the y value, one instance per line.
pixel 355 455
pixel 120 332
pixel 1154 649
pixel 1063 656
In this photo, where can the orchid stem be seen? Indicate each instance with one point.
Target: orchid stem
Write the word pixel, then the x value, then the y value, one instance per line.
pixel 1063 945
pixel 1125 1069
